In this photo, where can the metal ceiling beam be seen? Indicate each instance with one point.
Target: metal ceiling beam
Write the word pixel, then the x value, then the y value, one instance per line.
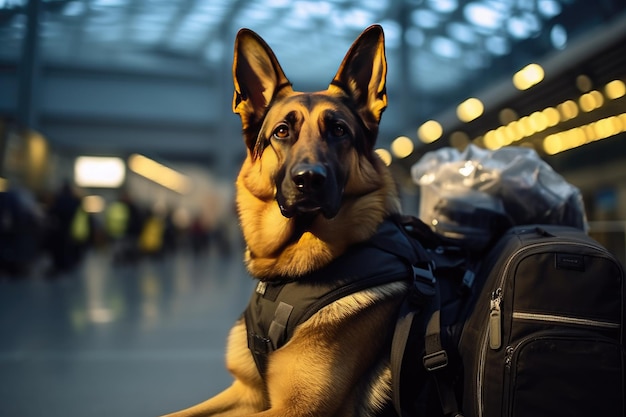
pixel 185 6
pixel 223 30
pixel 30 68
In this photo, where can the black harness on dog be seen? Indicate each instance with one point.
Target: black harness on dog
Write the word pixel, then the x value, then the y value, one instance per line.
pixel 277 307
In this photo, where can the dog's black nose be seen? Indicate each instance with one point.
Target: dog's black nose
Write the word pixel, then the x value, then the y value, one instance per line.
pixel 309 178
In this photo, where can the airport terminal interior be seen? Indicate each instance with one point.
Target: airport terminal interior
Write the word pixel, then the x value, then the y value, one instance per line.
pixel 121 259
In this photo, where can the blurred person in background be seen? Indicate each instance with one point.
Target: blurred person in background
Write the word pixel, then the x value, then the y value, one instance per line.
pixel 123 224
pixel 21 231
pixel 68 229
pixel 153 235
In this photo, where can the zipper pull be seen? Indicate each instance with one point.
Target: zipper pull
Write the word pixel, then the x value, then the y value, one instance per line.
pixel 495 320
pixel 508 356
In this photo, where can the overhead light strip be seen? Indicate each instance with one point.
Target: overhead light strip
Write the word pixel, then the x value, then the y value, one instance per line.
pixel 159 173
pixel 584 134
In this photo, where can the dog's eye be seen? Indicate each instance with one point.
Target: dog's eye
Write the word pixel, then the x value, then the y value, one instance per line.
pixel 281 132
pixel 338 130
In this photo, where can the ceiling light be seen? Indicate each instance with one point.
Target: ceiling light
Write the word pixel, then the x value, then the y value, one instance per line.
pixel 470 109
pixel 414 37
pixel 445 47
pixel 523 26
pixel 497 45
pixel 538 121
pixel 507 115
pixel 12 3
pixel 515 129
pixel 276 3
pixel 528 76
pixel 615 89
pixel 558 36
pixel 74 8
pixel 549 8
pixel 608 127
pixel 384 155
pixel 459 140
pixel 358 18
pixel 462 32
pixel 308 9
pixel 526 127
pixel 552 116
pixel 483 15
pixel 109 3
pixel 443 6
pixel 92 171
pixel 424 18
pixel 568 110
pixel 376 5
pixel 591 101
pixel 584 83
pixel 402 147
pixel 600 129
pixel 159 173
pixel 491 141
pixel 553 144
pixel 577 137
pixel 430 131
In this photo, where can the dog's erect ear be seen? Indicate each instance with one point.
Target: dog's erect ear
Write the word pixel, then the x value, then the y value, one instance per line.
pixel 258 80
pixel 363 72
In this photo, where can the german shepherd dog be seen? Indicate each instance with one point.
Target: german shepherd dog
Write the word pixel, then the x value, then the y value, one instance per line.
pixel 310 187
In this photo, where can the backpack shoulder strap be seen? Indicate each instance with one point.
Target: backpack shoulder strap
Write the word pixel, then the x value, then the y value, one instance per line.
pixel 420 315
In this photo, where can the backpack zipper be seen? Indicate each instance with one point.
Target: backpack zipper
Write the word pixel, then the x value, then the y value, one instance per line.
pixel 565 320
pixel 495 320
pixel 498 301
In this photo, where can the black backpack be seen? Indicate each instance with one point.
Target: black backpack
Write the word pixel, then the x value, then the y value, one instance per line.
pixel 546 337
pixel 539 332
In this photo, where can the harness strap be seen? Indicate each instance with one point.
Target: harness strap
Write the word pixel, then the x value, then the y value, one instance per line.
pixel 398 343
pixel 436 362
pixel 278 327
pixel 417 303
pixel 261 343
pixel 435 357
pixel 259 346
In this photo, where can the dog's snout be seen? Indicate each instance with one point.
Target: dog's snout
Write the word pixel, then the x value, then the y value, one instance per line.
pixel 309 178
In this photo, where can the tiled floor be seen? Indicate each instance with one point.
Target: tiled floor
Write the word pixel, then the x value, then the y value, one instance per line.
pixel 138 340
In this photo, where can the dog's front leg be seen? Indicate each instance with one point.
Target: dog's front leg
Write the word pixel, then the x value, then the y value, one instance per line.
pixel 236 400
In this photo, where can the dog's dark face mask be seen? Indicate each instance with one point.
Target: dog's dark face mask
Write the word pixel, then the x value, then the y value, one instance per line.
pixel 311 135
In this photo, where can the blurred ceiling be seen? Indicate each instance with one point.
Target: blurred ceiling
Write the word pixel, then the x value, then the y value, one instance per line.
pixel 447 41
pixel 440 51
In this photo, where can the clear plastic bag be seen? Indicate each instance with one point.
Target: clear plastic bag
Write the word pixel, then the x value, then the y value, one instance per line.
pixel 474 195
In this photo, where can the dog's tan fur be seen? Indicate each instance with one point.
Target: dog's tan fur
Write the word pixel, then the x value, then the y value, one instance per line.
pixel 336 363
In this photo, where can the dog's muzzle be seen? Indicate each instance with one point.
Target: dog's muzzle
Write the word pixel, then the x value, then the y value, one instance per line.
pixel 307 190
pixel 309 179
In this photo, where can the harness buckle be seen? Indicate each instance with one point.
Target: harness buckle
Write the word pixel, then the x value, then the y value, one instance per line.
pixel 423 285
pixel 436 360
